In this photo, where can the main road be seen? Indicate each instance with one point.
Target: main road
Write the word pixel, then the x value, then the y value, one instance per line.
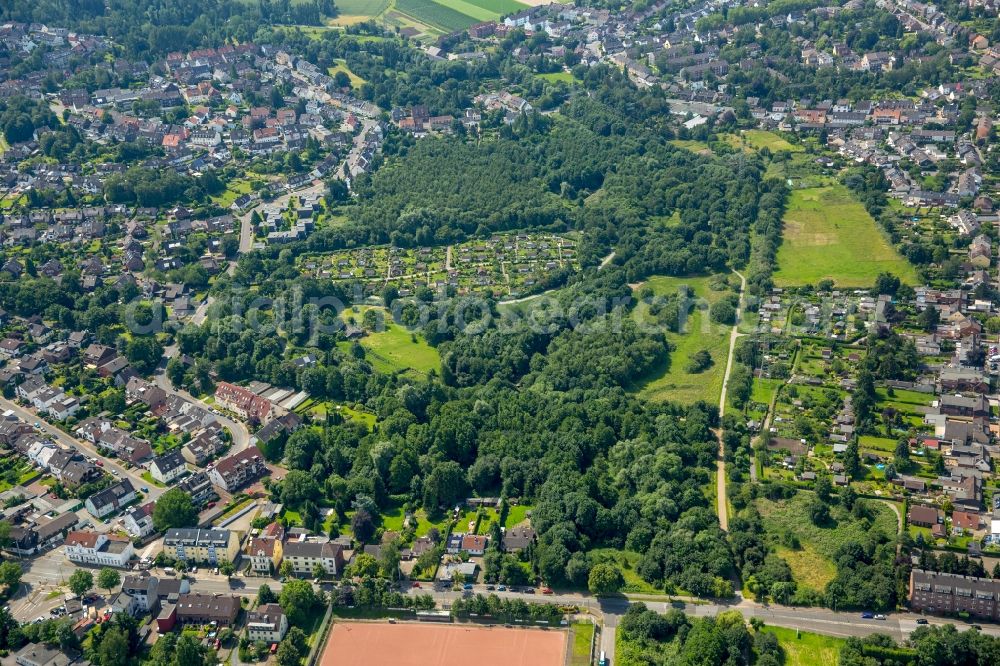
pixel 47 572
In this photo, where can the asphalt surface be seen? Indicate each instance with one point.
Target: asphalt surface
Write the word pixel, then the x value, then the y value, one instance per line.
pixel 45 574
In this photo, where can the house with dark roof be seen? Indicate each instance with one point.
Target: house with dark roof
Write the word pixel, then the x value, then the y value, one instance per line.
pixel 111 499
pixel 220 609
pixel 238 470
pixel 923 516
pixel 168 467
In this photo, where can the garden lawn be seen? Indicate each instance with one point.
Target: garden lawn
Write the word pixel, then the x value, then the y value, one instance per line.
pixel 674 383
pixel 806 649
pixel 516 515
pixel 829 235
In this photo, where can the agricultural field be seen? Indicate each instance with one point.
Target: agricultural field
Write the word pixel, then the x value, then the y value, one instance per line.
pixel 829 235
pixel 673 382
pixel 812 562
pixel 505 266
pixel 428 17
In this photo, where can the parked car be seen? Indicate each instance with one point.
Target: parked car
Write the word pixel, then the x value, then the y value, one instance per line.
pixel 880 617
pixel 490 588
pixel 502 588
pixel 467 586
pixel 867 615
pixel 415 584
pixel 546 590
pixel 922 620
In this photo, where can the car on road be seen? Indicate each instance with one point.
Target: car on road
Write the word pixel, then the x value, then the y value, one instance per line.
pixel 867 615
pixel 100 463
pixel 502 588
pixel 114 472
pixel 546 590
pixel 467 586
pixel 530 590
pixel 415 584
pixel 922 620
pixel 880 617
pixel 144 489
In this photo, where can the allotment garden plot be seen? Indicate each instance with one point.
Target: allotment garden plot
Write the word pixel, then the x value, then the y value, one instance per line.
pixel 505 266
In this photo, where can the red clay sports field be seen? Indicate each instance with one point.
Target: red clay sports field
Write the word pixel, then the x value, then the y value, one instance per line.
pixel 406 644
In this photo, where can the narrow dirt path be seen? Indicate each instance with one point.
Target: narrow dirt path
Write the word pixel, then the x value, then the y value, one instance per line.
pixel 720 469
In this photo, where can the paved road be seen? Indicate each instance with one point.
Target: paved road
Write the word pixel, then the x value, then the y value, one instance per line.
pixel 720 471
pixel 46 573
pixel 238 429
pixel 30 415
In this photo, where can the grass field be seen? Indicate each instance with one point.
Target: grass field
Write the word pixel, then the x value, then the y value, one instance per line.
pixel 675 383
pixel 555 77
pixel 394 348
pixel 694 146
pixel 583 638
pixel 829 234
pixel 341 66
pixel 759 139
pixel 809 568
pixel 812 564
pixel 805 649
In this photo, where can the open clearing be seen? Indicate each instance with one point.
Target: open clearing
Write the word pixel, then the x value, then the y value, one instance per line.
pixel 394 348
pixel 829 235
pixel 376 644
pixel 812 564
pixel 805 649
pixel 752 140
pixel 674 383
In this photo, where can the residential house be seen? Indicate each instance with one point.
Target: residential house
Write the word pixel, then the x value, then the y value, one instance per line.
pixel 243 402
pixel 950 594
pixel 168 467
pixel 267 623
pixel 215 609
pixel 238 470
pixel 96 549
pixel 111 499
pixel 305 555
pixel 923 516
pixel 198 545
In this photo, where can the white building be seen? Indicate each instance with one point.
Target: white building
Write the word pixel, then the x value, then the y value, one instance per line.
pixel 268 623
pixel 84 547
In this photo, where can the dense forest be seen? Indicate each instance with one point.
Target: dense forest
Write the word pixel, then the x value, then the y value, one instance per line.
pixel 150 28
